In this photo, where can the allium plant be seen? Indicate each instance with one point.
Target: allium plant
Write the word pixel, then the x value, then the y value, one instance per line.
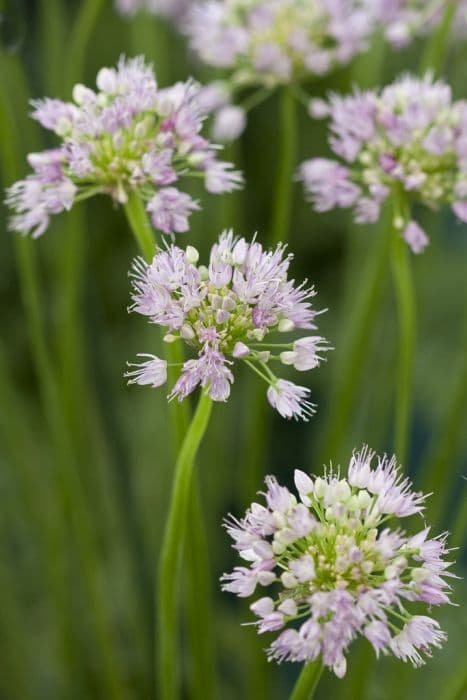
pixel 129 136
pixel 408 140
pixel 337 569
pixel 224 313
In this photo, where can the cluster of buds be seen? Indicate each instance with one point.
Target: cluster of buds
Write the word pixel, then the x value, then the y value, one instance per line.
pixel 128 136
pixel 224 313
pixel 335 570
pixel 408 140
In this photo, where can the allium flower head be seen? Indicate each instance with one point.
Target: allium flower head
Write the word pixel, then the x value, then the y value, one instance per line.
pixel 224 313
pixel 402 20
pixel 409 139
pixel 335 569
pixel 130 135
pixel 276 41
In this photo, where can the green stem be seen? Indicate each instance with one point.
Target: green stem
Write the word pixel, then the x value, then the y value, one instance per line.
pixel 459 526
pixel 352 347
pixel 69 491
pixel 203 665
pixel 169 563
pixel 140 225
pixel 198 591
pixel 282 205
pixel 77 47
pixel 405 300
pixel 447 443
pixel 435 51
pixel 307 681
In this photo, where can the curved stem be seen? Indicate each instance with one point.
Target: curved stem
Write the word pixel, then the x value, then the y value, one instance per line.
pixel 405 299
pixel 179 421
pixel 282 205
pixel 307 681
pixel 169 563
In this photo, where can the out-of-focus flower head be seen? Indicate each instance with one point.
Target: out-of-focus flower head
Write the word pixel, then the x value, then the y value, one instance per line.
pixel 408 139
pixel 276 41
pixel 224 312
pixel 129 135
pixel 269 43
pixel 171 9
pixel 336 569
pixel 403 20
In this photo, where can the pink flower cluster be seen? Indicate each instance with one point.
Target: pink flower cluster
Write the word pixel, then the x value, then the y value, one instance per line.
pixel 402 20
pixel 224 312
pixel 335 571
pixel 407 140
pixel 276 41
pixel 130 135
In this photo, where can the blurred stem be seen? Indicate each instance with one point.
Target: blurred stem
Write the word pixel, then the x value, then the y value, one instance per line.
pixel 203 663
pixel 78 43
pixel 167 608
pixel 435 51
pixel 198 591
pixel 282 203
pixel 405 301
pixel 68 485
pixel 52 26
pixel 448 441
pixel 149 37
pixel 459 527
pixel 352 348
pixel 307 681
pixel 258 418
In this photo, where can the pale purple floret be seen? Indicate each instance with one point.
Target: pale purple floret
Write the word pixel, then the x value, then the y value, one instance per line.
pixel 223 313
pixel 336 573
pixel 290 400
pixel 151 372
pixel 170 209
pixel 129 136
pixel 407 140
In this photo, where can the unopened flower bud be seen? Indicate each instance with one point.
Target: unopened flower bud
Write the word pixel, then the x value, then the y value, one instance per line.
pixel 285 325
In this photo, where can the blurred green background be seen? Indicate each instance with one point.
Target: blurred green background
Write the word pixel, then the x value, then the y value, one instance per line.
pixel 84 492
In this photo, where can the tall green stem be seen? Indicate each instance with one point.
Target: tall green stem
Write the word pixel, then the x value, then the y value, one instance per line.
pixel 405 301
pixel 169 562
pixel 286 163
pixel 257 419
pixel 307 682
pixel 350 354
pixel 446 445
pixel 68 486
pixel 203 665
pixel 140 226
pixel 435 51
